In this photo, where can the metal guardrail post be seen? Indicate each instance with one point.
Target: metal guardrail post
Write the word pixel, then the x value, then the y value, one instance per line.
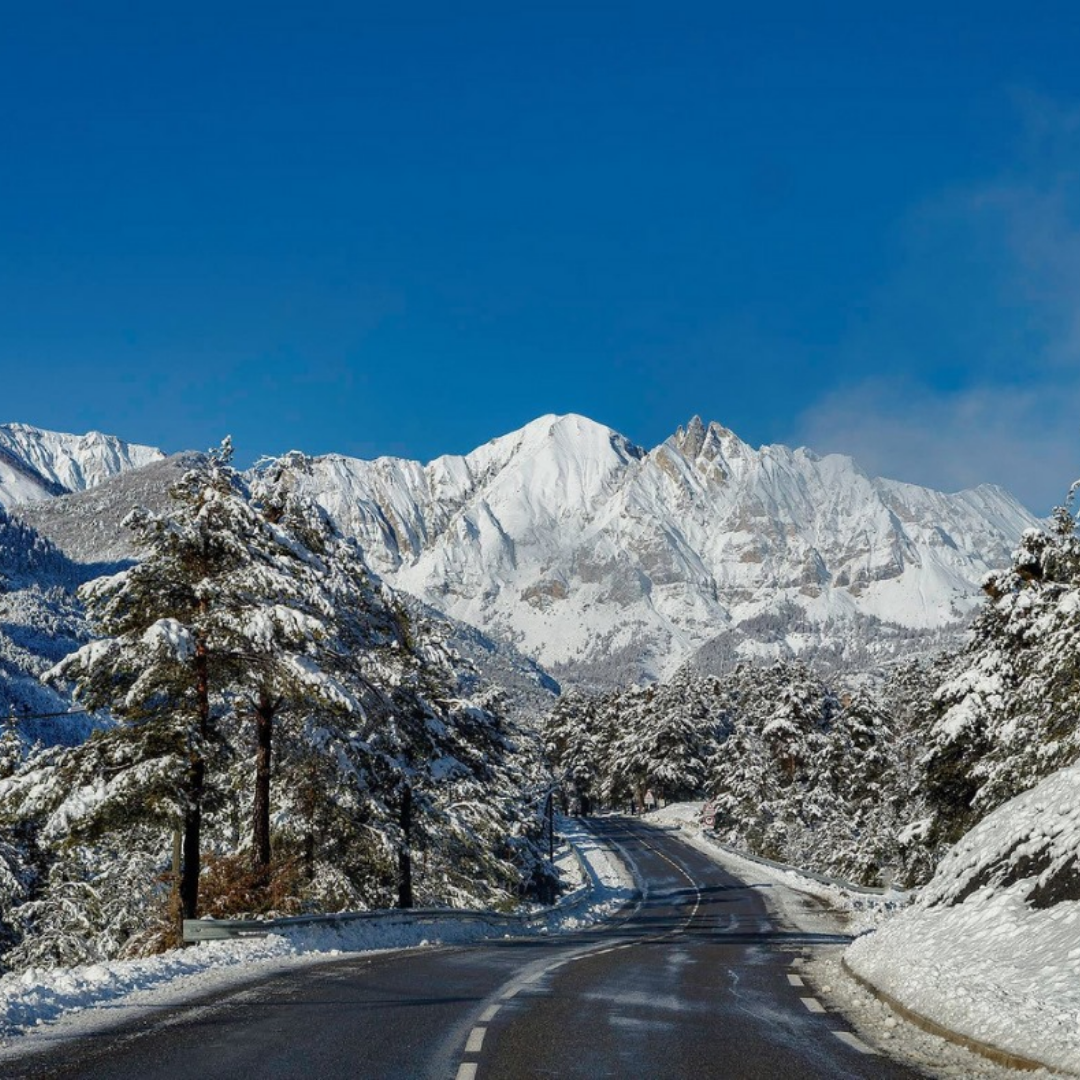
pixel 224 929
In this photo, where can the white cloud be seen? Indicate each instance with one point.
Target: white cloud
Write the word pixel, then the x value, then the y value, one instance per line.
pixel 1025 440
pixel 983 318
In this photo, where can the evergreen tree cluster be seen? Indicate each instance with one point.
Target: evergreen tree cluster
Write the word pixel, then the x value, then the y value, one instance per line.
pixel 281 738
pixel 794 770
pixel 1008 711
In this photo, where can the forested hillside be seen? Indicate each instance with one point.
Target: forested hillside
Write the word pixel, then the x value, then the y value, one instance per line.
pixel 280 736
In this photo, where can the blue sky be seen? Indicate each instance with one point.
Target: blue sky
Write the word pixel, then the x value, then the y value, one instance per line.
pixel 408 228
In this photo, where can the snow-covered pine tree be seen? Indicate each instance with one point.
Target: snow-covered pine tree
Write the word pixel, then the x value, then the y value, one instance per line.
pixel 440 769
pixel 1007 712
pixel 166 622
pixel 903 816
pixel 660 743
pixel 456 776
pixel 576 745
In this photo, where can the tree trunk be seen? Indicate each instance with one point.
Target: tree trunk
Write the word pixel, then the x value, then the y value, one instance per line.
pixel 189 877
pixel 196 784
pixel 264 734
pixel 405 892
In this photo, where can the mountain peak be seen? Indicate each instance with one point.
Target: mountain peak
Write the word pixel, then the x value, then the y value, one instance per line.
pixel 602 560
pixel 691 439
pixel 696 440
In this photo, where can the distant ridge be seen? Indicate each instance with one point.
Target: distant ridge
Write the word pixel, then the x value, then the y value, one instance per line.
pixel 603 561
pixel 36 465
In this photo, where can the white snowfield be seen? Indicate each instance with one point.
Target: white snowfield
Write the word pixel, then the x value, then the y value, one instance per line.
pixel 71 1002
pixel 995 967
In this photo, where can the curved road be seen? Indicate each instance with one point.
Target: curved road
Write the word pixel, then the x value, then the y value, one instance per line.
pixel 696 981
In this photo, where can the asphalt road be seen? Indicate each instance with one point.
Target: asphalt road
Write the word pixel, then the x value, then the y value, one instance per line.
pixel 698 981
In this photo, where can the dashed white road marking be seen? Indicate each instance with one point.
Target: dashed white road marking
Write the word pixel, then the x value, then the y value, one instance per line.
pixel 467 1069
pixel 476 1040
pixel 813 1004
pixel 855 1042
pixel 795 980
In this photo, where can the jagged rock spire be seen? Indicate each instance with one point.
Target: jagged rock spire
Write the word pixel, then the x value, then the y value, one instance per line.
pixel 691 439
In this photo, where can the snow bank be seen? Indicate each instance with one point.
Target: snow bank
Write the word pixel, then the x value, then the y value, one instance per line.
pixel 992 948
pixel 74 996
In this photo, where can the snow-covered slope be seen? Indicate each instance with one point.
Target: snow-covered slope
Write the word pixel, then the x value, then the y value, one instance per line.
pixel 86 525
pixel 40 622
pixel 36 465
pixel 603 560
pixel 992 947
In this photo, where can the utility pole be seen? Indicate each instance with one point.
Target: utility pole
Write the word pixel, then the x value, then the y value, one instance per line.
pixel 549 809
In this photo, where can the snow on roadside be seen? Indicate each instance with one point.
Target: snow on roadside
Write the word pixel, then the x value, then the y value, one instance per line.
pixel 840 911
pixel 987 951
pixel 68 1002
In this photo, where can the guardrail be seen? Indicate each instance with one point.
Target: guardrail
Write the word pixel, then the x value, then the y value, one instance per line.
pixel 196 930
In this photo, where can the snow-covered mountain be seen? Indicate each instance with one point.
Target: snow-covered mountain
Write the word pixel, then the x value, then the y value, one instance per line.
pixel 36 465
pixel 601 560
pixel 604 560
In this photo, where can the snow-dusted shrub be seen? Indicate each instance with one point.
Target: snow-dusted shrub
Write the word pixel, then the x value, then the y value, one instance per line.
pixel 94 903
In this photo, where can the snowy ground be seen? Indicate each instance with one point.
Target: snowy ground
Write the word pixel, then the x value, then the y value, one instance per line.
pixel 979 953
pixel 809 906
pixel 38 1007
pixel 993 970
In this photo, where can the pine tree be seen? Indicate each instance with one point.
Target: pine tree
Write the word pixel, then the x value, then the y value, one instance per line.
pixel 1007 711
pixel 166 624
pixel 576 744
